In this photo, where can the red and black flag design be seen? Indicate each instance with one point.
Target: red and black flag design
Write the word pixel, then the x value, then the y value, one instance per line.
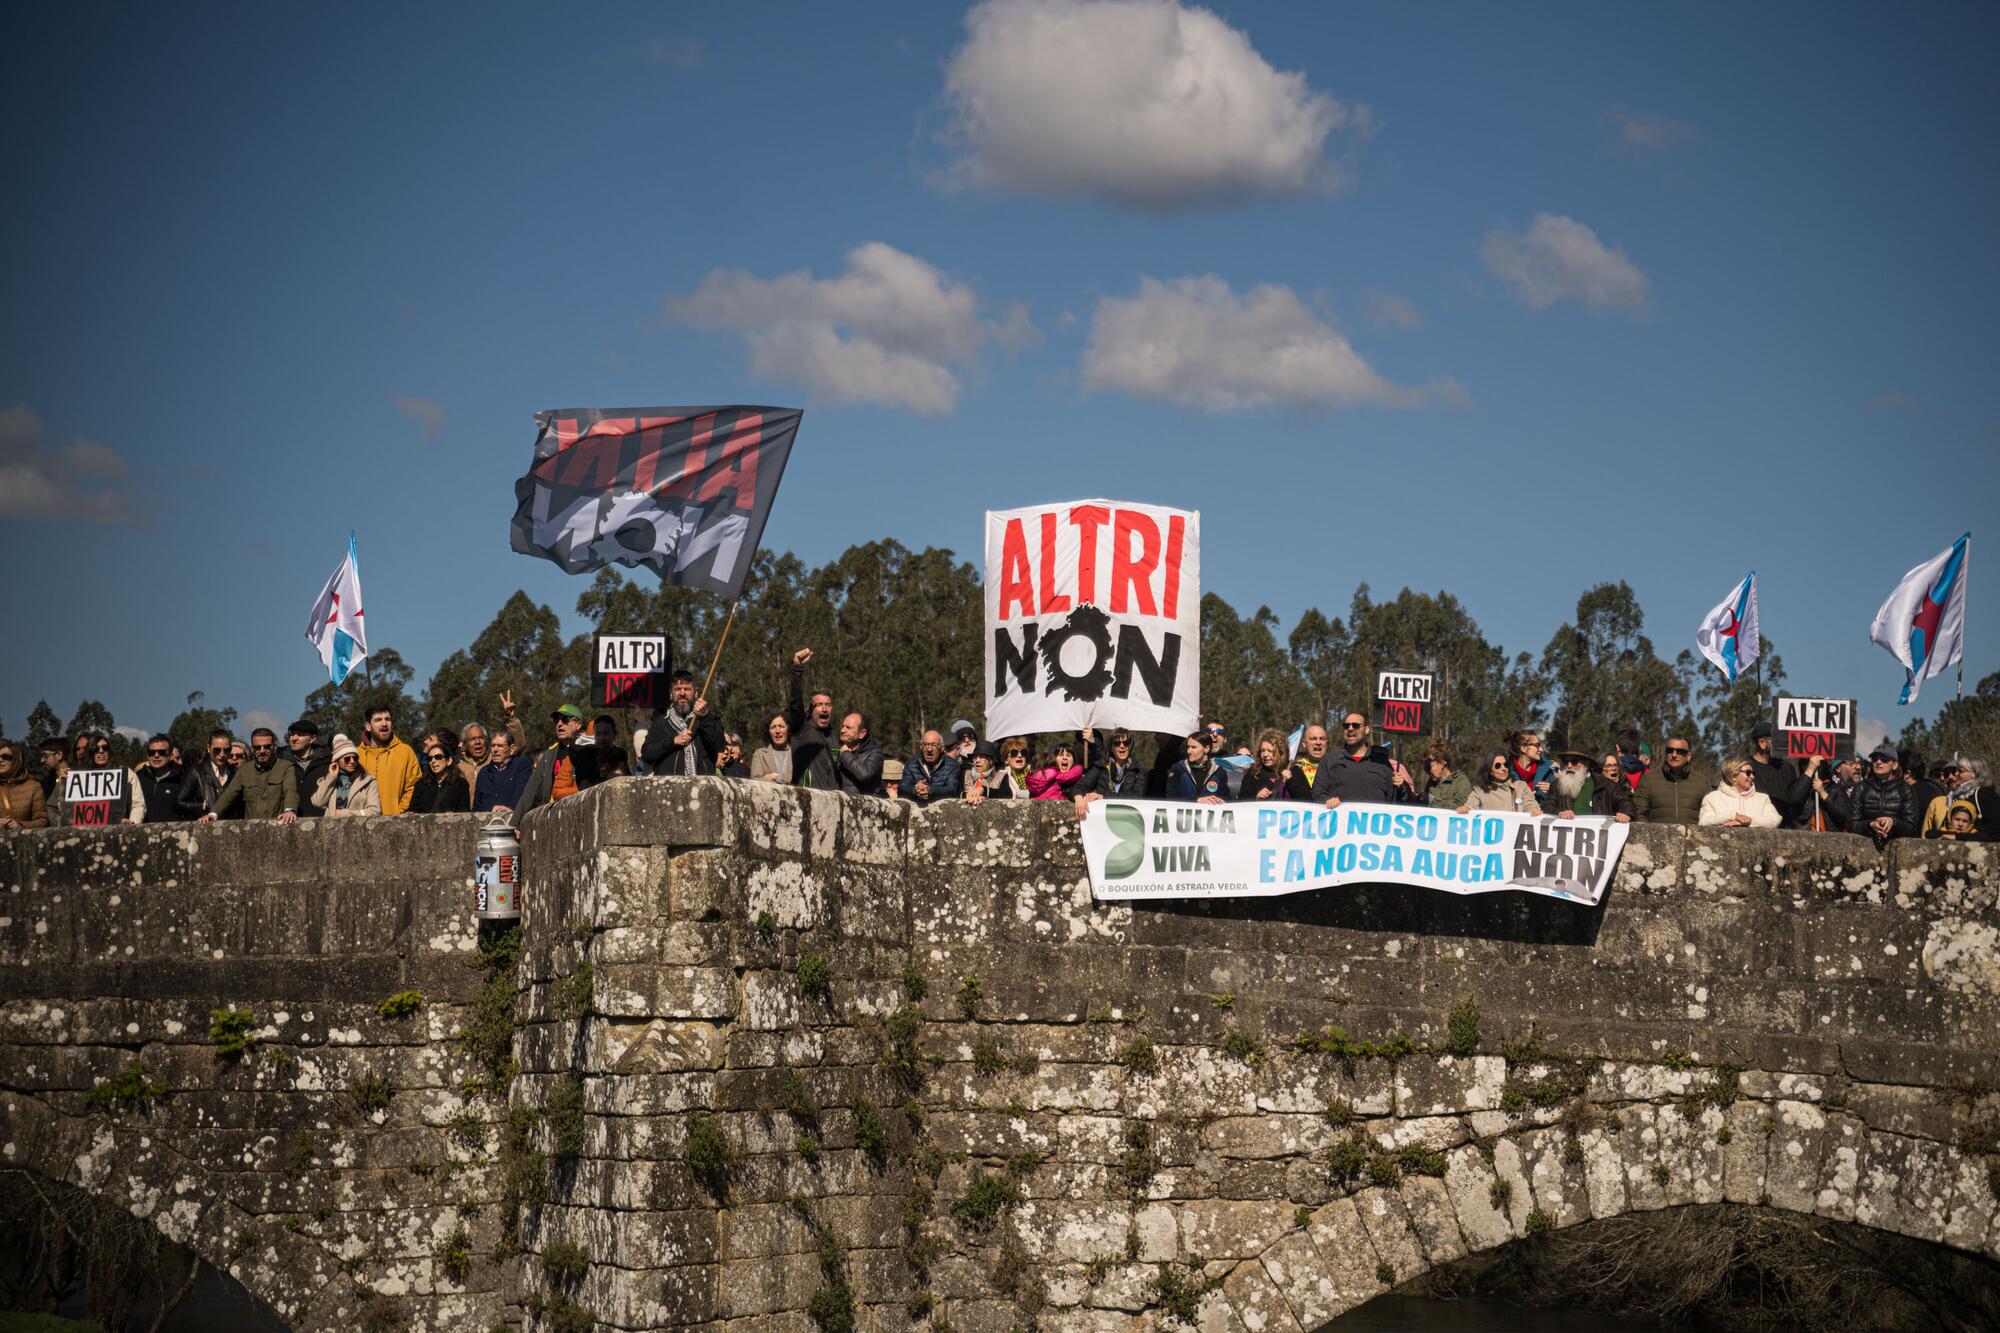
pixel 684 491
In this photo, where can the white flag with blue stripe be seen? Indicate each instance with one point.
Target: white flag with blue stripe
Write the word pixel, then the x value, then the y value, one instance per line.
pixel 1728 634
pixel 335 627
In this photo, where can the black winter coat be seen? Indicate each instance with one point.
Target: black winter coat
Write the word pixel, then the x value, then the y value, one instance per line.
pixel 1107 779
pixel 198 791
pixel 440 796
pixel 1262 784
pixel 162 792
pixel 1776 780
pixel 1611 799
pixel 1351 779
pixel 1894 798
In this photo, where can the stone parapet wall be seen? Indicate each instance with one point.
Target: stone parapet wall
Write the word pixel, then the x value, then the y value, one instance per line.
pixel 782 1059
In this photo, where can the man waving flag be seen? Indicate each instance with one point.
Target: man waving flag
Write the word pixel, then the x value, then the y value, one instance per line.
pixel 1923 622
pixel 1728 634
pixel 335 627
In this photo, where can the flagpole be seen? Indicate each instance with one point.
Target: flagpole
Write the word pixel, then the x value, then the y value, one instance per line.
pixel 709 679
pixel 1964 574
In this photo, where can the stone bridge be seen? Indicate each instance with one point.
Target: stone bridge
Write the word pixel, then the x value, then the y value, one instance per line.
pixel 777 1059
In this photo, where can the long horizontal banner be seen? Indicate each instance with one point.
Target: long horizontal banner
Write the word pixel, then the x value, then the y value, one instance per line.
pixel 1172 849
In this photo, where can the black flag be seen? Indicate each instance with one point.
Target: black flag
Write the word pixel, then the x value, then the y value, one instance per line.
pixel 684 491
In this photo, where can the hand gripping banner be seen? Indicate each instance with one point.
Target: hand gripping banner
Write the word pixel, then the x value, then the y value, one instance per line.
pixel 684 491
pixel 1093 618
pixel 1172 849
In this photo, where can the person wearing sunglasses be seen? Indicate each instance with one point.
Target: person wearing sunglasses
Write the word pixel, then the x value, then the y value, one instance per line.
pixel 1672 791
pixel 266 788
pixel 22 804
pixel 1359 772
pixel 1495 787
pixel 1010 783
pixel 160 781
pixel 206 777
pixel 93 752
pixel 441 790
pixel 1611 797
pixel 347 789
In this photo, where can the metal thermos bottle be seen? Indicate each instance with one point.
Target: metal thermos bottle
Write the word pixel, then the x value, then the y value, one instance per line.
pixel 496 873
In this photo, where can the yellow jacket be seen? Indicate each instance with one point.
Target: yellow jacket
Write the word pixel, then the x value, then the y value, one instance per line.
pixel 394 768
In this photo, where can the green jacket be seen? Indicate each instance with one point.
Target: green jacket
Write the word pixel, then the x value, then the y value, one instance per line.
pixel 1451 793
pixel 266 792
pixel 1661 800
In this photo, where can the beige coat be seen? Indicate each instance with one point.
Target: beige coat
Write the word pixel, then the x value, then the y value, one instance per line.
pixel 1723 802
pixel 363 798
pixel 1517 796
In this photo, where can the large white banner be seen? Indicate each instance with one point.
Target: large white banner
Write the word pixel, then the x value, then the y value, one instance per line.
pixel 1259 849
pixel 1093 618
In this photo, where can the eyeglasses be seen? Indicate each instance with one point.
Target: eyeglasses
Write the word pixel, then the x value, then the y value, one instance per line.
pixel 1121 744
pixel 1500 767
pixel 1352 726
pixel 157 754
pixel 1017 754
pixel 1677 749
pixel 104 749
pixel 349 758
pixel 263 749
pixel 435 755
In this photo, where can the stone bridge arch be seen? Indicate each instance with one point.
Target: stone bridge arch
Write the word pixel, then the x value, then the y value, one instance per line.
pixel 770 1057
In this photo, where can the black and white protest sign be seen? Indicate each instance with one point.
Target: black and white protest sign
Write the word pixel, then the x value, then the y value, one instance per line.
pixel 1403 701
pixel 1808 727
pixel 95 797
pixel 630 670
pixel 1093 618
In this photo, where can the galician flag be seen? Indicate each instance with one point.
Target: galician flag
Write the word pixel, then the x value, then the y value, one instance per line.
pixel 335 628
pixel 1923 622
pixel 1728 634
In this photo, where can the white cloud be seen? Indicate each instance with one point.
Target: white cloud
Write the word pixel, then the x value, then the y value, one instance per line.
pixel 1385 309
pixel 134 733
pixel 1648 131
pixel 421 410
pixel 1145 104
pixel 39 481
pixel 889 330
pixel 1560 259
pixel 680 52
pixel 254 718
pixel 1195 343
pixel 1870 732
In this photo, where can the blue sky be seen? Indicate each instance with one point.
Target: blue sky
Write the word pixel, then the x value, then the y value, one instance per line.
pixel 1499 300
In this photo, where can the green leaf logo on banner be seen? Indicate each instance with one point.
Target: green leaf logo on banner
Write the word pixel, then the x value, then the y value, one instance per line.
pixel 1130 827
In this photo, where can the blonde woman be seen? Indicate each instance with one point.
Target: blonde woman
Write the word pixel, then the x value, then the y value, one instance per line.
pixel 1737 803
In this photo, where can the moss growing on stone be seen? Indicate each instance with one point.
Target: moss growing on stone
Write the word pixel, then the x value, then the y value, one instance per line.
pixel 565 1263
pixel 1340 1112
pixel 1539 1222
pixel 133 1090
pixel 488 1034
pixel 1345 1158
pixel 1385 1273
pixel 798 1102
pixel 1719 1092
pixel 871 1133
pixel 400 1005
pixel 710 1155
pixel 575 993
pixel 1140 1163
pixel 299 1156
pixel 815 977
pixel 832 1308
pixel 1177 1293
pixel 915 984
pixel 1420 1159
pixel 1244 1047
pixel 564 1108
pixel 767 925
pixel 230 1030
pixel 900 1030
pixel 371 1093
pixel 467 1130
pixel 455 1259
pixel 987 1057
pixel 968 996
pixel 1462 1029
pixel 1660 1174
pixel 1140 1055
pixel 525 1168
pixel 984 1200
pixel 1500 1194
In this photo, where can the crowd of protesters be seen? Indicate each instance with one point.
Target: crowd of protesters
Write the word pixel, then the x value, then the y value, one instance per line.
pixel 508 770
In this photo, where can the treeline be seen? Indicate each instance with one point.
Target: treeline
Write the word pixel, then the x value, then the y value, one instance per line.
pixel 897 633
